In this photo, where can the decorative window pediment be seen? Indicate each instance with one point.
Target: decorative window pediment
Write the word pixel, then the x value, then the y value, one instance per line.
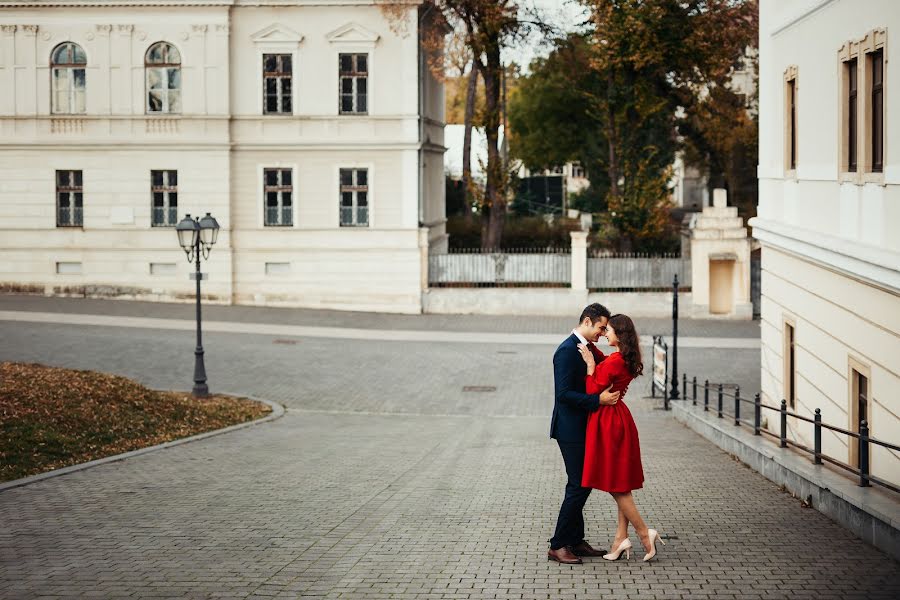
pixel 277 35
pixel 353 33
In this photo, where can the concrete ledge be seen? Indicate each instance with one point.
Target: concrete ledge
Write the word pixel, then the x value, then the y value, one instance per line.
pixel 277 412
pixel 871 513
pixel 556 302
pixel 504 301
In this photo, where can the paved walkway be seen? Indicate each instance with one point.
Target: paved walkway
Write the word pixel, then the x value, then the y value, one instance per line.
pixel 332 318
pixel 345 333
pixel 385 480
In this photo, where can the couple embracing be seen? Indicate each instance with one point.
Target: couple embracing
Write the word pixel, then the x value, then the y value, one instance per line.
pixel 596 433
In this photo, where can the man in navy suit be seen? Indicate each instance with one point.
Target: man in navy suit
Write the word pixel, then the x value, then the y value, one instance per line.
pixel 568 428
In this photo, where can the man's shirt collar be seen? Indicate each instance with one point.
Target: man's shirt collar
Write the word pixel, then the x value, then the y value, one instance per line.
pixel 580 337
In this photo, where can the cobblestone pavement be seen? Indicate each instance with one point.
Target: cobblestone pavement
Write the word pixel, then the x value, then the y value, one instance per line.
pixel 385 480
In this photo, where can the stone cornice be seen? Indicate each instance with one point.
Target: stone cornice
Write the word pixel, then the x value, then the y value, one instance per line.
pixel 874 265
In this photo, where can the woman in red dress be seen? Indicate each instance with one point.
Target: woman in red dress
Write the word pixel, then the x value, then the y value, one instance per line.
pixel 612 459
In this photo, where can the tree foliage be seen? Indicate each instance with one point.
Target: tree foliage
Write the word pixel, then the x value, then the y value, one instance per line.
pixel 615 97
pixel 484 28
pixel 549 123
pixel 720 133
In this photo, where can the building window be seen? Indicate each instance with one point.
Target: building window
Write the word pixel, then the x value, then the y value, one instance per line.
pixel 69 199
pixel 164 189
pixel 790 366
pixel 278 192
pixel 876 62
pixel 67 79
pixel 354 82
pixel 862 398
pixel 862 108
pixel 851 75
pixel 277 84
pixel 354 198
pixel 163 66
pixel 792 124
pixel 860 392
pixel 577 171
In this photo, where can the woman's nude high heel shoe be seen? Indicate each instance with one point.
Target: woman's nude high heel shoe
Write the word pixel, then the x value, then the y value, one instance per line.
pixel 625 547
pixel 654 537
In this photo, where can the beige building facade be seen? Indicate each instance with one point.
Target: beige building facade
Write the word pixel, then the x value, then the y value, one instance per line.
pixel 313 132
pixel 829 220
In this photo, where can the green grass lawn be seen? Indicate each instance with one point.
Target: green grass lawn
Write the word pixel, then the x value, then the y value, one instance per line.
pixel 52 417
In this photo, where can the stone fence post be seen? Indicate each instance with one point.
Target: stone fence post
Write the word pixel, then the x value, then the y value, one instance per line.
pixel 579 260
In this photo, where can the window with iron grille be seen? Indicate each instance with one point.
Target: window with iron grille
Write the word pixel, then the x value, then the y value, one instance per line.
pixel 278 193
pixel 277 84
pixel 69 199
pixel 164 190
pixel 353 83
pixel 354 198
pixel 877 92
pixel 67 64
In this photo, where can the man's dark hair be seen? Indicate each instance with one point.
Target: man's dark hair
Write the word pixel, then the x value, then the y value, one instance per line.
pixel 594 311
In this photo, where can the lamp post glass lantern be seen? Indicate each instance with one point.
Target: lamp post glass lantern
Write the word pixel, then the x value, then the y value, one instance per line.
pixel 196 237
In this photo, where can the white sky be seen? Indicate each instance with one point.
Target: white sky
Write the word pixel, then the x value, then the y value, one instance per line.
pixel 564 14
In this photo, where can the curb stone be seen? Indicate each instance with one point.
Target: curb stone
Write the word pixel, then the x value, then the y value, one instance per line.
pixel 277 412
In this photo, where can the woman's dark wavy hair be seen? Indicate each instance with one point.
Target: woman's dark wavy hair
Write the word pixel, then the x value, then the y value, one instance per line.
pixel 629 343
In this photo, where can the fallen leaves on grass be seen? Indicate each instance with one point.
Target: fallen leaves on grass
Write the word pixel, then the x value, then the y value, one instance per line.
pixel 52 417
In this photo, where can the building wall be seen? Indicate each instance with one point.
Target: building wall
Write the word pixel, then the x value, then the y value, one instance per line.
pixel 830 246
pixel 219 144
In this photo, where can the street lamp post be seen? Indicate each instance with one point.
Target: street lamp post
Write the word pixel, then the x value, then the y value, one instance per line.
pixel 674 391
pixel 196 237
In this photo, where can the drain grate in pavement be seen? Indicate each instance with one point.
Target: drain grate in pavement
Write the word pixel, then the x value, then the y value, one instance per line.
pixel 480 388
pixel 285 342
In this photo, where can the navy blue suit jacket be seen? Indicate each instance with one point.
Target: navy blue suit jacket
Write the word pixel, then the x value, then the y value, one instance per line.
pixel 571 405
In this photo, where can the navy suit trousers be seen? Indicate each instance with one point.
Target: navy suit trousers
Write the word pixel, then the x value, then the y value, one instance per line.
pixel 570 524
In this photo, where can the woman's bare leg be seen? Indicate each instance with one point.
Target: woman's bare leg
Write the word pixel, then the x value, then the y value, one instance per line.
pixel 621 531
pixel 630 511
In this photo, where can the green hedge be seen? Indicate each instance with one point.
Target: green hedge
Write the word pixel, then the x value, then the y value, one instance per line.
pixel 519 232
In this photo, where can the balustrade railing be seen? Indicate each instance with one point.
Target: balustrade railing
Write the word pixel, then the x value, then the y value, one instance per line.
pixel 864 441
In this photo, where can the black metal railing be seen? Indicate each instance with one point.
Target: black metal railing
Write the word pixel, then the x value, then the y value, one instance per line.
pixel 718 404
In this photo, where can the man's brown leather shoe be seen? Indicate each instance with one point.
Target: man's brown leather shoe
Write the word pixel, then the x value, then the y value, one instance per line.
pixel 563 555
pixel 585 549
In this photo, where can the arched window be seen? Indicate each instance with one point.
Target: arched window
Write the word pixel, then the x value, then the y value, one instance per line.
pixel 67 83
pixel 163 67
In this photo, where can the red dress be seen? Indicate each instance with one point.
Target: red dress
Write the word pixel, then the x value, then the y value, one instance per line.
pixel 612 457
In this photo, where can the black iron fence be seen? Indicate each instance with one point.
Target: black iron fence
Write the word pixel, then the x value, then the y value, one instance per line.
pixel 727 404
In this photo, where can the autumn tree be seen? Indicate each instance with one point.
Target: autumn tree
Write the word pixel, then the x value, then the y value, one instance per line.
pixel 549 125
pixel 461 90
pixel 625 86
pixel 720 132
pixel 487 25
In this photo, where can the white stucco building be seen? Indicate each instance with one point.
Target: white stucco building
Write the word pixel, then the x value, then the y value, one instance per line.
pixel 829 219
pixel 313 132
